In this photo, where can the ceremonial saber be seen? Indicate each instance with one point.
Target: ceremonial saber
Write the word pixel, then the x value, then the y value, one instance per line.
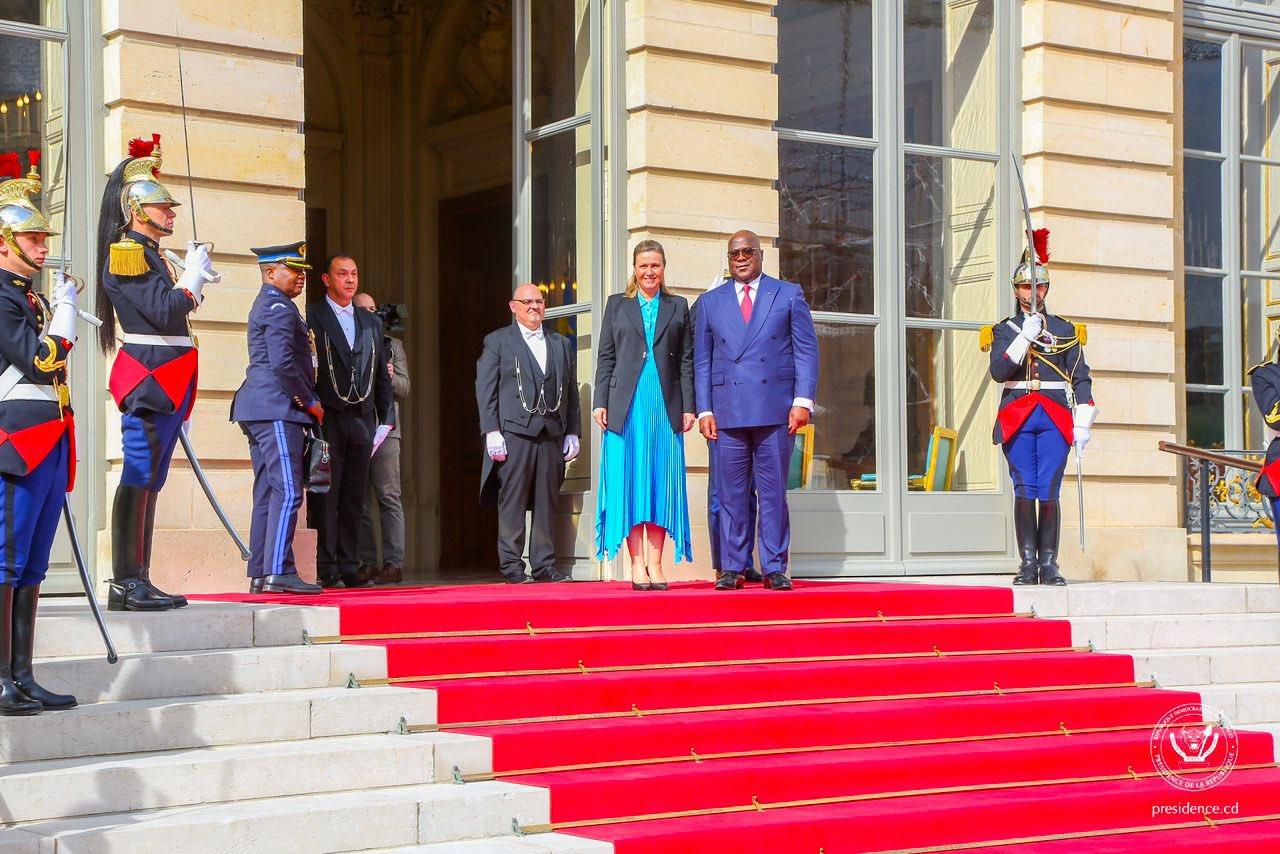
pixel 1080 495
pixel 1032 260
pixel 67 517
pixel 212 279
pixel 112 657
pixel 208 493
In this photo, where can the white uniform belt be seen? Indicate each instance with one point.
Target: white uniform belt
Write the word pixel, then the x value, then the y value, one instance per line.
pixel 157 340
pixel 30 391
pixel 1037 385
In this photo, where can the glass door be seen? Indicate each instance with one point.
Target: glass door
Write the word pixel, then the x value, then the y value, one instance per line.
pixel 893 218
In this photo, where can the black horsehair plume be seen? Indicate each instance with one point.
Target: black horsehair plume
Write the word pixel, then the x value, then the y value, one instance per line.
pixel 111 227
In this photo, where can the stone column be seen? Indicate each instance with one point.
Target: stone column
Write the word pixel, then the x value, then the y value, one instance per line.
pixel 1098 90
pixel 243 88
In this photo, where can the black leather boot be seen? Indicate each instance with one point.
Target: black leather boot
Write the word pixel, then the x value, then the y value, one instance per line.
pixel 148 532
pixel 25 600
pixel 128 523
pixel 12 700
pixel 1024 529
pixel 1050 517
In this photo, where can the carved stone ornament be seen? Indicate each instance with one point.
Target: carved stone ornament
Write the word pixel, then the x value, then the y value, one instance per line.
pixel 382 10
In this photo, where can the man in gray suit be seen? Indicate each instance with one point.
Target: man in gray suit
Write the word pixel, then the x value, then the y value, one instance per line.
pixel 384 479
pixel 527 394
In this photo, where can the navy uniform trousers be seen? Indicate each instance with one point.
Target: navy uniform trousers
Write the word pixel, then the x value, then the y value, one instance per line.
pixel 30 506
pixel 275 447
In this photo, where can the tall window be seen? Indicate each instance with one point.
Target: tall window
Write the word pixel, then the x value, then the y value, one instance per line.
pixel 33 101
pixel 1231 207
pixel 558 168
pixel 891 137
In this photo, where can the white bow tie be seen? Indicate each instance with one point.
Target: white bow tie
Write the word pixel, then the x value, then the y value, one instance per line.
pixel 349 311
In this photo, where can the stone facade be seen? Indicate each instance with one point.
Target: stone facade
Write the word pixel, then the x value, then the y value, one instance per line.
pixel 1100 100
pixel 243 89
pixel 1100 126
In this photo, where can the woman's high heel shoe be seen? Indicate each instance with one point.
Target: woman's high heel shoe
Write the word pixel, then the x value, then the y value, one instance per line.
pixel 658 585
pixel 635 586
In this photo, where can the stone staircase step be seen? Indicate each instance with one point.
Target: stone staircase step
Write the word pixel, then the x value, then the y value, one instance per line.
pixel 66 627
pixel 1177 632
pixel 174 723
pixel 68 788
pixel 141 676
pixel 1244 703
pixel 341 821
pixel 1202 665
pixel 1129 598
pixel 540 843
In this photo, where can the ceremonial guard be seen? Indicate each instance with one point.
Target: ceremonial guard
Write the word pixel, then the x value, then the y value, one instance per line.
pixel 1264 379
pixel 1047 406
pixel 37 452
pixel 273 406
pixel 153 379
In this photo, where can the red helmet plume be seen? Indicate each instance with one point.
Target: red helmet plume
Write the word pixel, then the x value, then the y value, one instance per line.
pixel 1040 237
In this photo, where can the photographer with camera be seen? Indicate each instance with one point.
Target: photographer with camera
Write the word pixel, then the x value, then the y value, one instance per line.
pixel 384 474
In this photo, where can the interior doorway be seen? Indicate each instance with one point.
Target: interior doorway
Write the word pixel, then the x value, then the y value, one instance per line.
pixel 475 272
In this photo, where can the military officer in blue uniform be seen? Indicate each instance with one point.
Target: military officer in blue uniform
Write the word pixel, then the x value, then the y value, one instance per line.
pixel 1264 379
pixel 37 448
pixel 273 406
pixel 1046 408
pixel 153 378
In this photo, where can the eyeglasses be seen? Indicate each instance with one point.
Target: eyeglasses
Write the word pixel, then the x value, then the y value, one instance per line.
pixel 742 253
pixel 528 302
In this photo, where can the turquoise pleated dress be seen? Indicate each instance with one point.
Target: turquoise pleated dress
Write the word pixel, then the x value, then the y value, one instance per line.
pixel 642 474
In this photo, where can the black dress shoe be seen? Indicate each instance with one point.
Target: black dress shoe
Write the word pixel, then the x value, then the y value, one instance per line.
pixel 753 575
pixel 512 578
pixel 290 583
pixel 255 584
pixel 730 581
pixel 551 576
pixel 355 580
pixel 130 594
pixel 777 581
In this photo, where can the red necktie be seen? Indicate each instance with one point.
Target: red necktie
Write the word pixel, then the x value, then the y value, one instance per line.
pixel 746 303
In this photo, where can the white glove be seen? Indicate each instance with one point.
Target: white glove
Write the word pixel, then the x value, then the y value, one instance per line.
pixel 495 445
pixel 197 265
pixel 1032 326
pixel 571 447
pixel 380 436
pixel 63 324
pixel 1083 417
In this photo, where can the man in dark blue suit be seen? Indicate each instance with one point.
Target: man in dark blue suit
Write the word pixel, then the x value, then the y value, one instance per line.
pixel 755 378
pixel 273 405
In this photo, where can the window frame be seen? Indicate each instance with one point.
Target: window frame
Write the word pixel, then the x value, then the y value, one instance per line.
pixel 1236 393
pixel 890 150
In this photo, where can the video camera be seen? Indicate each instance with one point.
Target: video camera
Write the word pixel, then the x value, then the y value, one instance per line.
pixel 393 315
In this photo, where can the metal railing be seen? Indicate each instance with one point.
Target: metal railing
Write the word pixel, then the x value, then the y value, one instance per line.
pixel 1219 496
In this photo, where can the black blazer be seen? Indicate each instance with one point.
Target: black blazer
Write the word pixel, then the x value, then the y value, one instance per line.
pixel 498 393
pixel 335 362
pixel 623 351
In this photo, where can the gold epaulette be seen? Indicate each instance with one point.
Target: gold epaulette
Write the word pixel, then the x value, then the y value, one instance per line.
pixel 1255 367
pixel 1082 333
pixel 986 335
pixel 127 258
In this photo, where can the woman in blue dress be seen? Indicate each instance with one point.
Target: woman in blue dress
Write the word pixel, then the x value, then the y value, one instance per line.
pixel 644 405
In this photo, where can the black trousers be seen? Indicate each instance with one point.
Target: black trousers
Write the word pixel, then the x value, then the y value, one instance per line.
pixel 530 477
pixel 337 522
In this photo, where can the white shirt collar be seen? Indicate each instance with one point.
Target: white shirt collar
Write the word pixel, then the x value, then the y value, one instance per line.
pixel 754 284
pixel 530 334
pixel 348 310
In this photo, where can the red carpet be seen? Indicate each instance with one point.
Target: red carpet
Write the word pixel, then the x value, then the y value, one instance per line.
pixel 917 716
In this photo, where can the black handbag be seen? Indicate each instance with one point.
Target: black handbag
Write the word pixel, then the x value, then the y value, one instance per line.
pixel 319 474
